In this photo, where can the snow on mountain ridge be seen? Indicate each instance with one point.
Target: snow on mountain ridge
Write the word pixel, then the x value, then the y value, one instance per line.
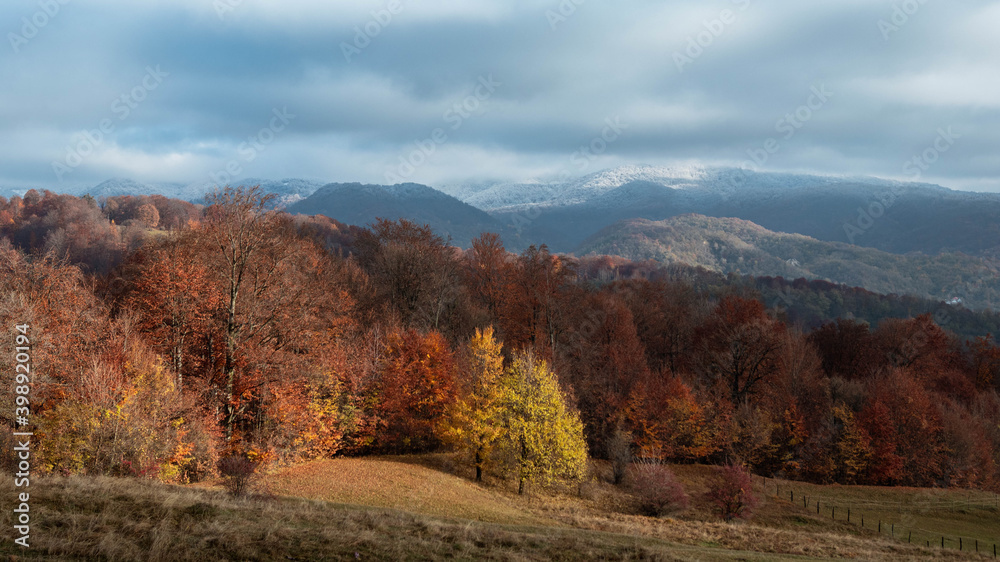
pixel 616 177
pixel 287 190
pixel 536 193
pixel 694 180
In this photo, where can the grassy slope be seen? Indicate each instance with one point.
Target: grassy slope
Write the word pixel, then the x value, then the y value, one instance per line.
pixel 394 484
pixel 440 516
pixel 920 515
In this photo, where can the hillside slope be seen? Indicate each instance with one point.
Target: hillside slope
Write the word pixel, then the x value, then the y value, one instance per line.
pixel 738 246
pixel 360 204
pixel 131 519
pixel 390 483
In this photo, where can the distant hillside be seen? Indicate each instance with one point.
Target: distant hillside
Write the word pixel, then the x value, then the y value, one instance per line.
pixel 124 186
pixel 888 215
pixel 739 246
pixel 360 204
pixel 894 216
pixel 287 190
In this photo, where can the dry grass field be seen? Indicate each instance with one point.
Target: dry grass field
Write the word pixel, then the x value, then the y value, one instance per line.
pixel 400 485
pixel 418 508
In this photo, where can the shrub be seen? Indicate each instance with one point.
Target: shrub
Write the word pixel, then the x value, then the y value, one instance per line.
pixel 619 450
pixel 237 473
pixel 658 490
pixel 198 456
pixel 731 493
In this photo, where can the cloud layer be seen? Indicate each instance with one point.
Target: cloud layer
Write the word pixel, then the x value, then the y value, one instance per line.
pixel 188 91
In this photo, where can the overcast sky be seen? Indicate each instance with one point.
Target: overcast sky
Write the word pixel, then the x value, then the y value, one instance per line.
pixel 195 90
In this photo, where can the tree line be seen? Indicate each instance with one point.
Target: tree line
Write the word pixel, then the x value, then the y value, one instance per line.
pixel 169 336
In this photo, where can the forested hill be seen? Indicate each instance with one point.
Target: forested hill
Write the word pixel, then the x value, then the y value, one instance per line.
pixel 358 204
pixel 738 246
pixel 805 304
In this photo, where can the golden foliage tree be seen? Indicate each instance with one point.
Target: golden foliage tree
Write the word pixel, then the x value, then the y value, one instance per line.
pixel 543 439
pixel 852 452
pixel 473 424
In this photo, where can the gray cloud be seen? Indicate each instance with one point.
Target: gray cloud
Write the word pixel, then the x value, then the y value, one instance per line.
pixel 895 84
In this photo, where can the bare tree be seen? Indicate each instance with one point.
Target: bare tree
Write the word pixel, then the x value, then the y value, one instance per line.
pixel 243 231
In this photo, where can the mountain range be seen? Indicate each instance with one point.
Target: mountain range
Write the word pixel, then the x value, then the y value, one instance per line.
pixel 642 212
pixel 288 191
pixel 889 215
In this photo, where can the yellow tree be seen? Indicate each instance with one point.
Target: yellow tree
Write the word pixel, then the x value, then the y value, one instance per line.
pixel 852 453
pixel 542 438
pixel 474 423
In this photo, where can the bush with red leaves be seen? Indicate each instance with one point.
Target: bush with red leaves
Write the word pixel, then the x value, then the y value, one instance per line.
pixel 658 489
pixel 731 493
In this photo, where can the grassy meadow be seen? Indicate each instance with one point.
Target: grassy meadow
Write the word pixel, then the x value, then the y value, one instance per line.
pixel 424 508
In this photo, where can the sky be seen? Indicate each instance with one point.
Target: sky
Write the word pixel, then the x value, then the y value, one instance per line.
pixel 449 91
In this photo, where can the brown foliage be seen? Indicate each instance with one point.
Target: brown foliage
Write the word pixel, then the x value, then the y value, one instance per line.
pixel 603 361
pixel 740 348
pixel 414 391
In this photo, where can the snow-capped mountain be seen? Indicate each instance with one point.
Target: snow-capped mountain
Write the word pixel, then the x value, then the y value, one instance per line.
pixel 288 191
pixel 124 186
pixel 918 216
pixel 694 179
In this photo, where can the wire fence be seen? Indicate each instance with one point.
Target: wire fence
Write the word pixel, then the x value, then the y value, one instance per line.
pixel 875 515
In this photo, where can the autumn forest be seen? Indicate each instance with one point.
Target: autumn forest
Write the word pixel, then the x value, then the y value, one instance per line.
pixel 169 337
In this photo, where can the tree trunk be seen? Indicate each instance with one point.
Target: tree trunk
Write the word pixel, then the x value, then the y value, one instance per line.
pixel 522 469
pixel 230 367
pixel 479 464
pixel 179 363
